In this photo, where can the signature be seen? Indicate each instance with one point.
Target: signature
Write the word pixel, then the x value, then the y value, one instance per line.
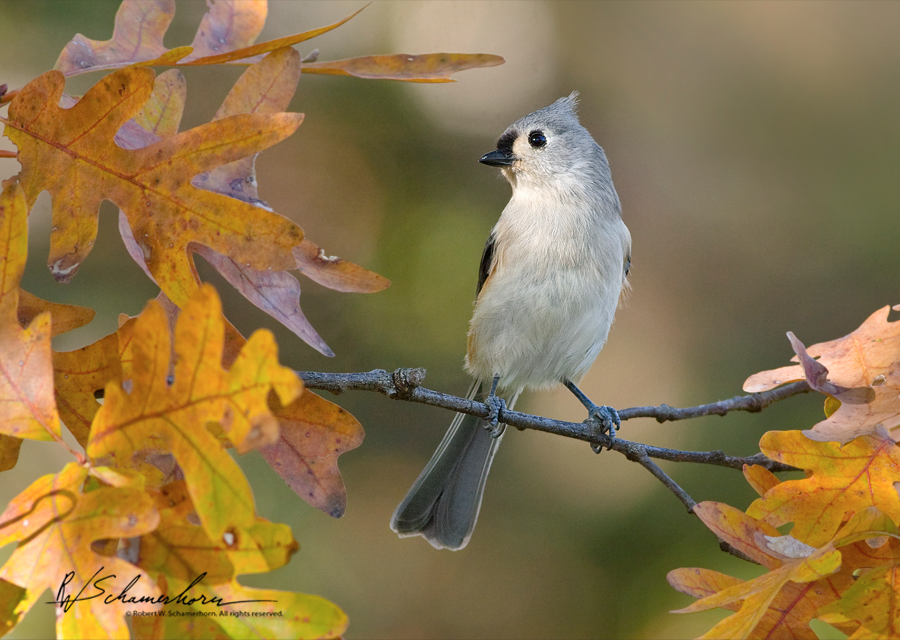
pixel 66 601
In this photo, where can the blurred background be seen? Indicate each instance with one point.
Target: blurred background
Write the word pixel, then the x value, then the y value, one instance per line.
pixel 756 151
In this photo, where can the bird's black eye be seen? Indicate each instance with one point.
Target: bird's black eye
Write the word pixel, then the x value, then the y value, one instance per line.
pixel 537 139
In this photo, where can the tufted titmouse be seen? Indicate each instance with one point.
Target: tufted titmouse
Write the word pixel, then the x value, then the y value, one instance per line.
pixel 549 284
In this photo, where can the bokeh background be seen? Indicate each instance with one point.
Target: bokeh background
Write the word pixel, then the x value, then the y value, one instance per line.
pixel 756 151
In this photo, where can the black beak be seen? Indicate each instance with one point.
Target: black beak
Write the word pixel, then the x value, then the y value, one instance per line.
pixel 498 158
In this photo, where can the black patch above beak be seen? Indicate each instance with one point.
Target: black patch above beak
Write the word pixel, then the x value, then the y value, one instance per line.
pixel 498 158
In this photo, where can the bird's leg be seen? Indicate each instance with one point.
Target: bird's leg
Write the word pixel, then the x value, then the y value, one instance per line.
pixel 607 417
pixel 496 405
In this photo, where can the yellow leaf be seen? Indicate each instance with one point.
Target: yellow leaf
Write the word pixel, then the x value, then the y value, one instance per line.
pixel 172 418
pixel 55 522
pixel 758 594
pixel 871 603
pixel 760 478
pixel 183 559
pixel 841 479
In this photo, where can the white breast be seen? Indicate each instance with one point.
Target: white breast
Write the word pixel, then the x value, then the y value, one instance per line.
pixel 546 309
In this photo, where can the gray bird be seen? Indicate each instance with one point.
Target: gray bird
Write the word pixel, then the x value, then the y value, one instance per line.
pixel 551 276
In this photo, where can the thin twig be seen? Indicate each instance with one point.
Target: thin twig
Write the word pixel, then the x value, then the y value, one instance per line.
pixel 644 460
pixel 753 403
pixel 405 384
pixel 682 495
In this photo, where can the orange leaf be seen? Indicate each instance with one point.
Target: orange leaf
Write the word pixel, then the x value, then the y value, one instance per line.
pixel 760 478
pixel 862 361
pixel 314 432
pixel 264 88
pixel 840 480
pixel 79 374
pixel 701 583
pixel 172 418
pixel 740 531
pixel 26 370
pixel 852 361
pixel 429 67
pixel 780 603
pixel 55 522
pixel 336 273
pixel 59 148
pixel 226 34
pixel 65 317
pixel 789 612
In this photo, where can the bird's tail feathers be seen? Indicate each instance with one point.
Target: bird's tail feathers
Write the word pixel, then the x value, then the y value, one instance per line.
pixel 443 503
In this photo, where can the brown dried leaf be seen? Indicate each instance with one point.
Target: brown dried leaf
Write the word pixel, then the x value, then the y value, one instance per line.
pixel 137 37
pixel 314 432
pixel 228 25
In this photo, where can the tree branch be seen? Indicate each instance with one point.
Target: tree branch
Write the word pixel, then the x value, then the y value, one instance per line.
pixel 405 384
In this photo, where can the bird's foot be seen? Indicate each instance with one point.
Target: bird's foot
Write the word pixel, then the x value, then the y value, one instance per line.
pixel 497 406
pixel 607 419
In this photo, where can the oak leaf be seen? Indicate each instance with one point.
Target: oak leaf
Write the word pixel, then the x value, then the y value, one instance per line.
pixel 871 603
pixel 176 554
pixel 760 478
pixel 79 374
pixel 226 34
pixel 314 432
pixel 59 148
pixel 26 370
pixel 65 317
pixel 863 374
pixel 172 418
pixel 137 39
pixel 780 603
pixel 429 67
pixel 265 87
pixel 840 480
pixel 55 521
pixel 759 595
